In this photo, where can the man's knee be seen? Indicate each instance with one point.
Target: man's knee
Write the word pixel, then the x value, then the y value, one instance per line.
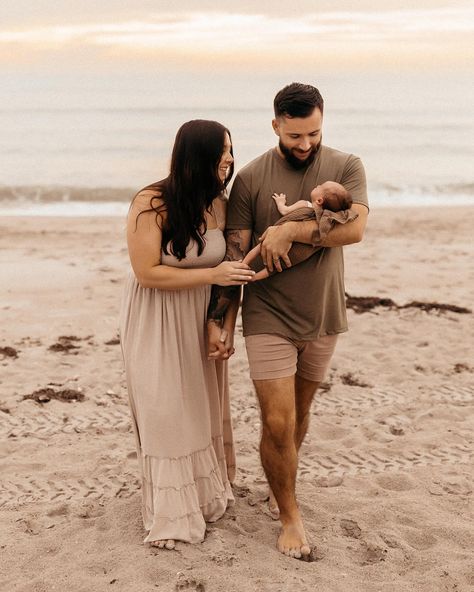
pixel 279 428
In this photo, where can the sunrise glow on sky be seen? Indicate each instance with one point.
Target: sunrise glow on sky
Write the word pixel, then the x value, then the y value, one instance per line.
pixel 204 34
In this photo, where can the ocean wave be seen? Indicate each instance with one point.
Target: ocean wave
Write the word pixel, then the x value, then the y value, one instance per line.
pixel 52 194
pixel 112 201
pixel 441 189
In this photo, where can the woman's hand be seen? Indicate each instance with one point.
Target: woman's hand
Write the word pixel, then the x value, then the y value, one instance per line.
pixel 232 273
pixel 220 342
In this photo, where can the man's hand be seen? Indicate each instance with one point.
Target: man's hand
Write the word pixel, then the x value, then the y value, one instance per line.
pixel 276 241
pixel 220 342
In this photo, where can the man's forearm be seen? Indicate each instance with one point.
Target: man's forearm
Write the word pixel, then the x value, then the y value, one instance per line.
pixel 221 298
pixel 302 232
pixel 237 246
pixel 350 233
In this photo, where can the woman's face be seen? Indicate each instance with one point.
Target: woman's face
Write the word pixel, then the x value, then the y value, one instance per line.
pixel 226 159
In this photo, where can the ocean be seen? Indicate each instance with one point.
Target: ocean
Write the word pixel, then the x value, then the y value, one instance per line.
pixel 84 148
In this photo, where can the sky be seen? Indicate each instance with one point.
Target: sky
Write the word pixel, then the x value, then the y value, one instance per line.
pixel 204 35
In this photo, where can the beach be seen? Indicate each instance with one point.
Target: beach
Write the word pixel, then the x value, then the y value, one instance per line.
pixel 385 475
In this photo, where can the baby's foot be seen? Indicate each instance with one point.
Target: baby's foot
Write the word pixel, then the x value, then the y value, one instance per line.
pixel 167 544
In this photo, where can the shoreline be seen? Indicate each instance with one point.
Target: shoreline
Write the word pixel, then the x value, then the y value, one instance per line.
pixel 85 209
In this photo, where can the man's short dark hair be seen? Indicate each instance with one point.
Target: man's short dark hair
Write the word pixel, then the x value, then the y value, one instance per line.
pixel 297 100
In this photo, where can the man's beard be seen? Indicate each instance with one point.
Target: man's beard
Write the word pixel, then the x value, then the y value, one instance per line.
pixel 297 163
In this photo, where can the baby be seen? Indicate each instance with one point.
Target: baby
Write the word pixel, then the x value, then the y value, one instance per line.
pixel 330 203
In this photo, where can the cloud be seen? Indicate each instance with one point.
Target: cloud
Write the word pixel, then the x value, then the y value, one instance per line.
pixel 233 36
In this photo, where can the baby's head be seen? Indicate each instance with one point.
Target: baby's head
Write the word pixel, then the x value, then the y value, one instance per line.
pixel 331 196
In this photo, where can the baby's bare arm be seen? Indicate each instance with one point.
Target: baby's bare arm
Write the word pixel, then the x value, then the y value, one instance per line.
pixel 280 199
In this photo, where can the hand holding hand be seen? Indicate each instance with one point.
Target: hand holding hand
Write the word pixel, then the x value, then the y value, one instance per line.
pixel 220 342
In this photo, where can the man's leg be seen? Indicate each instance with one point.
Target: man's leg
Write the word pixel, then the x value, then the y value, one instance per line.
pixel 304 395
pixel 280 459
pixel 314 358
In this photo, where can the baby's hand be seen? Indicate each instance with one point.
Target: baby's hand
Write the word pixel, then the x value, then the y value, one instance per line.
pixel 280 199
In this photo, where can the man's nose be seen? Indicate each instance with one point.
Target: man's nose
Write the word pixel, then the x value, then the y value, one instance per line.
pixel 305 145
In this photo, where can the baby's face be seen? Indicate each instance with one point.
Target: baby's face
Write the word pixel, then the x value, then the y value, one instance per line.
pixel 317 195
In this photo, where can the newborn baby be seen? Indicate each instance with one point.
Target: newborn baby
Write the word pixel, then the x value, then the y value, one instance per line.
pixel 330 204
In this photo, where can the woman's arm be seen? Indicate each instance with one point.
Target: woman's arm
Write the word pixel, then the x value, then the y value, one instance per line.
pixel 144 237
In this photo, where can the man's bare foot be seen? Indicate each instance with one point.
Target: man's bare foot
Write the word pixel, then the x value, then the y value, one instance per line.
pixel 273 506
pixel 169 544
pixel 292 540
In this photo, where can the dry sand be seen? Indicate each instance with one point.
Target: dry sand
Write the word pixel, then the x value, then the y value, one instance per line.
pixel 385 480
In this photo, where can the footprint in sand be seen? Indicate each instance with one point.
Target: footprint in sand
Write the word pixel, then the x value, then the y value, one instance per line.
pixel 224 558
pixel 453 485
pixel 373 553
pixel 350 528
pixel 419 539
pixel 188 582
pixel 396 482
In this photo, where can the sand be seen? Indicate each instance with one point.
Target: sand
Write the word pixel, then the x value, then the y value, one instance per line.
pixel 385 478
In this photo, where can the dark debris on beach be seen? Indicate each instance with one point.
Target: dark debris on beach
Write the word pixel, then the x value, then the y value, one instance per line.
pixel 8 352
pixel 361 304
pixel 351 380
pixel 67 343
pixel 45 395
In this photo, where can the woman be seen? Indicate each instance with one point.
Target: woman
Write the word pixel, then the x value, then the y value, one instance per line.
pixel 178 397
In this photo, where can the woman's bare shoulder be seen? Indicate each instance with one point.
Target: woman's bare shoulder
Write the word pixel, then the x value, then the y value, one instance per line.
pixel 149 196
pixel 148 199
pixel 148 202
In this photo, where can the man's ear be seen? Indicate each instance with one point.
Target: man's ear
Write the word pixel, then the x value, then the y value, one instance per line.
pixel 276 127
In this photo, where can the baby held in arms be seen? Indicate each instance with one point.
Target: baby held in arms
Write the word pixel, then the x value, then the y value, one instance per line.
pixel 330 204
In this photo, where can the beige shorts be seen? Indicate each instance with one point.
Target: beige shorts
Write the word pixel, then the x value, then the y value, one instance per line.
pixel 274 356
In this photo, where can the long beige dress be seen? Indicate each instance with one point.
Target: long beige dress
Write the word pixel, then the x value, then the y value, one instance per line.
pixel 179 402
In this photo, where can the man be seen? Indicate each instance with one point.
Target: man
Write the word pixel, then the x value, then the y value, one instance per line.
pixel 290 320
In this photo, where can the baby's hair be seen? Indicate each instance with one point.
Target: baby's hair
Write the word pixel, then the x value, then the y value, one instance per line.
pixel 337 198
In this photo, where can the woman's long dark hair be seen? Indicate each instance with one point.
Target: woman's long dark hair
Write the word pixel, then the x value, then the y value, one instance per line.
pixel 192 185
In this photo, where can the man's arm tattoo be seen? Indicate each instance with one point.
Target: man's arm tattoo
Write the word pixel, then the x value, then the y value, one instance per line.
pixel 222 296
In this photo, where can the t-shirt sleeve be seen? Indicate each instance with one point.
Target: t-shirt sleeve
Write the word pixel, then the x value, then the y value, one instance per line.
pixel 239 208
pixel 353 179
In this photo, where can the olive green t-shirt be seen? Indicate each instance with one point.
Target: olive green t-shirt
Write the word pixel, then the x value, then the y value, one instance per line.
pixel 306 301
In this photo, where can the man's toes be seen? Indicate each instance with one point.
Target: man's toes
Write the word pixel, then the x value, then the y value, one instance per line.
pixel 170 544
pixel 305 550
